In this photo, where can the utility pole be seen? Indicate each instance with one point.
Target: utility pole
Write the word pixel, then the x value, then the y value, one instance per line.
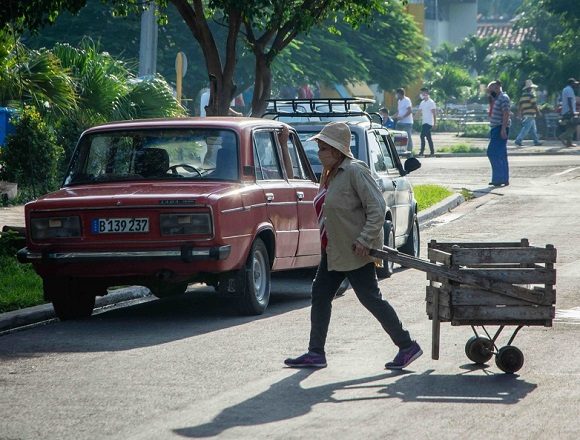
pixel 148 42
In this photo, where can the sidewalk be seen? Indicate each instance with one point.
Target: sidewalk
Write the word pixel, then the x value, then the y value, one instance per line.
pixel 447 139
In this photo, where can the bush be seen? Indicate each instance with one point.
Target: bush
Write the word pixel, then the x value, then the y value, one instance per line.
pixel 31 155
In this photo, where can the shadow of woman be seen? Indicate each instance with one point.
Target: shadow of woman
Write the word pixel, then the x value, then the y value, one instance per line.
pixel 284 400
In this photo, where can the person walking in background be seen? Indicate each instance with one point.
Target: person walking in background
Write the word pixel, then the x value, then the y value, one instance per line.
pixel 568 112
pixel 404 116
pixel 351 213
pixel 499 123
pixel 388 122
pixel 527 111
pixel 429 114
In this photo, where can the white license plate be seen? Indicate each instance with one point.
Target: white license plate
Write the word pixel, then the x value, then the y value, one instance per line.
pixel 119 225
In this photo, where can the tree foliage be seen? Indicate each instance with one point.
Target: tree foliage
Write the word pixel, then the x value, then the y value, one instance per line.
pixel 31 155
pixel 34 14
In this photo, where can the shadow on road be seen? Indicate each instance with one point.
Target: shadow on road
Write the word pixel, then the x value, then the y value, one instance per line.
pixel 151 323
pixel 287 399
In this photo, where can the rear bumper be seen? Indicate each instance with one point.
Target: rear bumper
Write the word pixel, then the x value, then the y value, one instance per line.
pixel 184 254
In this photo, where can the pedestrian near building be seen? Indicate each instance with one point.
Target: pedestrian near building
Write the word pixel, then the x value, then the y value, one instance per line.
pixel 429 114
pixel 404 116
pixel 388 122
pixel 527 111
pixel 351 213
pixel 569 117
pixel 499 123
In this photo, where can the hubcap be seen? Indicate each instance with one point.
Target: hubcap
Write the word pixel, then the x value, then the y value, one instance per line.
pixel 259 275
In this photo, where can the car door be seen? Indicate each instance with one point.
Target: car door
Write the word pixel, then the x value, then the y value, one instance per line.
pixel 379 166
pixel 279 195
pixel 403 190
pixel 306 190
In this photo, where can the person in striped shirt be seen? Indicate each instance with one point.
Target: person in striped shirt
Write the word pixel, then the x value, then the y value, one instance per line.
pixel 499 124
pixel 527 111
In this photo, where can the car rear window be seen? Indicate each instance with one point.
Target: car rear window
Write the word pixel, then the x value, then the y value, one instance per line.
pixel 155 154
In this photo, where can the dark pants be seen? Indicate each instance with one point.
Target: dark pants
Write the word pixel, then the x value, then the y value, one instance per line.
pixel 497 154
pixel 365 285
pixel 426 133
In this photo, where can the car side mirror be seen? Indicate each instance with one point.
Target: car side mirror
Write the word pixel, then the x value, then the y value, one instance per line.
pixel 412 164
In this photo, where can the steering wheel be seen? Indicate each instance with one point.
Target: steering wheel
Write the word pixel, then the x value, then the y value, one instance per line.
pixel 185 166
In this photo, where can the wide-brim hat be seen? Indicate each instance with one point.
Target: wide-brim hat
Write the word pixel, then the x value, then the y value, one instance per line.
pixel 337 135
pixel 529 85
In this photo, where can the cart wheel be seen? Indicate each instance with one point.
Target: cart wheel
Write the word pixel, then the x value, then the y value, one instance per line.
pixel 509 359
pixel 479 349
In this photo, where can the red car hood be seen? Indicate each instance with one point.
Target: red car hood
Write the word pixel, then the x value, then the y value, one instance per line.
pixel 133 194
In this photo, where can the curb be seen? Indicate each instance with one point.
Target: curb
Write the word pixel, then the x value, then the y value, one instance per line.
pixel 440 208
pixel 45 312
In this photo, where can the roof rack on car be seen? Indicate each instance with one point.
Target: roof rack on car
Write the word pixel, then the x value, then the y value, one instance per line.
pixel 308 107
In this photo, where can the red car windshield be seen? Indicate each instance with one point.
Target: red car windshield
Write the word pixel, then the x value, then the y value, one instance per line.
pixel 156 154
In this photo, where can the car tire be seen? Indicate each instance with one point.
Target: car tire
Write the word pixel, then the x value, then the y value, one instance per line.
pixel 388 266
pixel 256 293
pixel 413 244
pixel 169 289
pixel 68 299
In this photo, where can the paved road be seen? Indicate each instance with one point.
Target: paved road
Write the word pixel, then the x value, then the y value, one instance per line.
pixel 189 368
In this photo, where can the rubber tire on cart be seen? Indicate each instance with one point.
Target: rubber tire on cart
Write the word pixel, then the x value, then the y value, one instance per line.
pixel 256 293
pixel 479 349
pixel 413 244
pixel 388 266
pixel 509 359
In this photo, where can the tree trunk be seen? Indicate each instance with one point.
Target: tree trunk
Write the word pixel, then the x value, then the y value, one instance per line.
pixel 262 85
pixel 220 76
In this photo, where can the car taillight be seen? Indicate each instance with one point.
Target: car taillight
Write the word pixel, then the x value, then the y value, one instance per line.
pixel 55 227
pixel 186 224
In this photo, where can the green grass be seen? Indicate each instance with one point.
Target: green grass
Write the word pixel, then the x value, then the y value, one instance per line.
pixel 20 286
pixel 429 195
pixel 461 148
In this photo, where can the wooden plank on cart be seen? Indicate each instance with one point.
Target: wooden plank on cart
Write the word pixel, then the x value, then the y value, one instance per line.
pixel 490 255
pixel 459 275
pixel 471 296
pixel 513 313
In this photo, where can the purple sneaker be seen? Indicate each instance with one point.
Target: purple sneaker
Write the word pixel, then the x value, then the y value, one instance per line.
pixel 307 360
pixel 404 357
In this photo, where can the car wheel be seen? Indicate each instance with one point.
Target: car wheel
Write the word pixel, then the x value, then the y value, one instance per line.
pixel 68 300
pixel 388 266
pixel 413 244
pixel 256 293
pixel 169 289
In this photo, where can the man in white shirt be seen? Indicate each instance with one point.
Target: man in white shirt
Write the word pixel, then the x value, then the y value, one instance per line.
pixel 404 116
pixel 428 111
pixel 204 102
pixel 568 112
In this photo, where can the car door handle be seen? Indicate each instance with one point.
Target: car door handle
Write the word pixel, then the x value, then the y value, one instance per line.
pixel 300 195
pixel 394 183
pixel 269 197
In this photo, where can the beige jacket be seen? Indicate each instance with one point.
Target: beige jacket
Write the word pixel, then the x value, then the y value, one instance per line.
pixel 354 209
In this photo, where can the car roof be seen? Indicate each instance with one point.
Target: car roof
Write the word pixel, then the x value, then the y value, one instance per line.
pixel 232 123
pixel 353 125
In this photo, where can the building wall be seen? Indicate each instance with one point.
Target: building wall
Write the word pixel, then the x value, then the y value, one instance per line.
pixel 462 20
pixel 449 21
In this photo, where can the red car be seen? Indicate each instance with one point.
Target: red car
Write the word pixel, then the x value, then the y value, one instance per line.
pixel 163 203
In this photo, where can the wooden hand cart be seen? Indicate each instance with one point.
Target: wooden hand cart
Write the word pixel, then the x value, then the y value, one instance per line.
pixel 486 284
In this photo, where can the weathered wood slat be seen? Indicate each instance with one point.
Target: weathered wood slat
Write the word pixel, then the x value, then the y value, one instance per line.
pixel 529 322
pixel 503 313
pixel 446 247
pixel 466 296
pixel 438 256
pixel 479 280
pixel 524 255
pixel 515 276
